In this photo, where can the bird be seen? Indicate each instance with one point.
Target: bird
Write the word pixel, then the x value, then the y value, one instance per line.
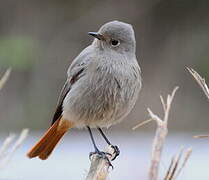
pixel 102 87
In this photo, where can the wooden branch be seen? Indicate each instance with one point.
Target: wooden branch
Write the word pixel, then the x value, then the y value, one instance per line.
pixel 99 168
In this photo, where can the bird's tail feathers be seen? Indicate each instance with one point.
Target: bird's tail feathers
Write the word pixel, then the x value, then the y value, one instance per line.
pixel 44 147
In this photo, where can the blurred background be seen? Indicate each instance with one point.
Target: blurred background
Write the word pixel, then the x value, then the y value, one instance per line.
pixel 39 40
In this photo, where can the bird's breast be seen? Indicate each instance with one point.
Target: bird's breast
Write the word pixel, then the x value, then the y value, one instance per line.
pixel 102 96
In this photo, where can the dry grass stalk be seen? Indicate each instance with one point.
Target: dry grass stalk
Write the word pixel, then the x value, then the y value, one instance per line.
pixel 204 87
pixel 142 124
pixel 6 152
pixel 99 168
pixel 200 81
pixel 160 134
pixel 202 136
pixel 5 146
pixel 5 77
pixel 176 167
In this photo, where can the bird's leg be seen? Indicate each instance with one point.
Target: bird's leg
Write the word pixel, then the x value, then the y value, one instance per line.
pixel 97 151
pixel 116 149
pixel 92 139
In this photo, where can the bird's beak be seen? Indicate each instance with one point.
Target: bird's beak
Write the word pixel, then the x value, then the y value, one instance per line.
pixel 97 35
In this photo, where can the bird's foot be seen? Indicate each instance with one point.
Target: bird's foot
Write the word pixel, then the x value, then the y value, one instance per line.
pixel 116 151
pixel 103 155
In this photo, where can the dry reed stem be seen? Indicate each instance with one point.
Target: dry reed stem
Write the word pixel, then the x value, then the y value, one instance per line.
pixel 99 168
pixel 160 135
pixel 6 152
pixel 200 81
pixel 175 167
pixel 5 146
pixel 142 124
pixel 202 136
pixel 204 87
pixel 5 77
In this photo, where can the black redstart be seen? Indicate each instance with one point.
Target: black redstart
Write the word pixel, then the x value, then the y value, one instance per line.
pixel 102 87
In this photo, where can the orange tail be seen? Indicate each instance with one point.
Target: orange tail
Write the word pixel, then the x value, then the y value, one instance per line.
pixel 47 143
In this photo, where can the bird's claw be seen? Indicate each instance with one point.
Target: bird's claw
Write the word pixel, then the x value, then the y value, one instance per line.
pixel 102 155
pixel 116 151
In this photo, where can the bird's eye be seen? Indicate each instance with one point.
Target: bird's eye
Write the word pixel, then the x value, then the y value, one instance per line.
pixel 114 42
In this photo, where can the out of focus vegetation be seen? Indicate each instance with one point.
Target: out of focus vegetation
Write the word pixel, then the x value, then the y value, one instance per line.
pixel 39 39
pixel 17 52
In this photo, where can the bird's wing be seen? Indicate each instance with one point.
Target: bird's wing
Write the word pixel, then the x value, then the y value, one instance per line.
pixel 76 70
pixel 66 88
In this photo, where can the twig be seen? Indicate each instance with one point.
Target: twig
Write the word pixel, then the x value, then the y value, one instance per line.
pixel 201 136
pixel 5 152
pixel 173 170
pixel 142 124
pixel 160 134
pixel 204 87
pixel 99 168
pixel 5 77
pixel 200 81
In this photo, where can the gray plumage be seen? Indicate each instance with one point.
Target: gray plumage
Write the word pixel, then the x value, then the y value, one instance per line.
pixel 104 80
